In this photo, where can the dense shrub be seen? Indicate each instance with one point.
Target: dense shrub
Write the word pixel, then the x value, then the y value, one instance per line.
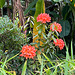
pixel 11 37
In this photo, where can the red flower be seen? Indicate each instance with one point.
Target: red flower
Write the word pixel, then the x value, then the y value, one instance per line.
pixel 59 43
pixel 56 26
pixel 28 51
pixel 43 17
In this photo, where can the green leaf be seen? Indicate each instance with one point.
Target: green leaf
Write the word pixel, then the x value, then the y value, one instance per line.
pixel 41 67
pixel 4 63
pixel 71 50
pixel 44 36
pixel 48 71
pixel 48 59
pixel 66 67
pixel 24 68
pixel 73 10
pixel 40 8
pixel 2 2
pixel 35 36
pixel 30 7
pixel 65 28
pixel 2 72
pixel 12 57
pixel 39 58
pixel 55 72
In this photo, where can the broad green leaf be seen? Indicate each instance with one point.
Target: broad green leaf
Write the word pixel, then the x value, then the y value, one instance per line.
pixel 30 7
pixel 40 8
pixel 65 28
pixel 24 68
pixel 2 2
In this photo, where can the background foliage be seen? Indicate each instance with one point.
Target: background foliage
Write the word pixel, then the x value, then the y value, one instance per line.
pixel 50 60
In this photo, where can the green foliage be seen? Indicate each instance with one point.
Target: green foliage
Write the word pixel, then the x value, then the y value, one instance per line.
pixel 2 2
pixel 3 66
pixel 38 28
pixel 65 28
pixel 39 8
pixel 65 11
pixel 11 40
pixel 11 37
pixel 65 66
pixel 30 7
pixel 24 68
pixel 48 43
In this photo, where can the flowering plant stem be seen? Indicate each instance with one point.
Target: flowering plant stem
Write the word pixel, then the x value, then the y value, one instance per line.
pixel 24 68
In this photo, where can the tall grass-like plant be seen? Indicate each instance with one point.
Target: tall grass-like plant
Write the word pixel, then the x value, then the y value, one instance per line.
pixel 65 66
pixel 24 68
pixel 3 71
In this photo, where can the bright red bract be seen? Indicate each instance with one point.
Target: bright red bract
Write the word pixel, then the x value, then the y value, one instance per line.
pixel 28 51
pixel 59 43
pixel 56 26
pixel 43 17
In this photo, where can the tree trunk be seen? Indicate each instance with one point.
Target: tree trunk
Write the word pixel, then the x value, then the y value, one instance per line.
pixel 20 10
pixel 8 10
pixel 26 4
pixel 14 9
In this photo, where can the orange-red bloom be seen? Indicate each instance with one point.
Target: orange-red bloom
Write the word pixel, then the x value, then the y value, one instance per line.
pixel 28 51
pixel 59 43
pixel 56 26
pixel 43 17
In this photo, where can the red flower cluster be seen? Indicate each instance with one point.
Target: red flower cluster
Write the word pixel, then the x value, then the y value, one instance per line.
pixel 56 26
pixel 28 51
pixel 59 43
pixel 43 17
